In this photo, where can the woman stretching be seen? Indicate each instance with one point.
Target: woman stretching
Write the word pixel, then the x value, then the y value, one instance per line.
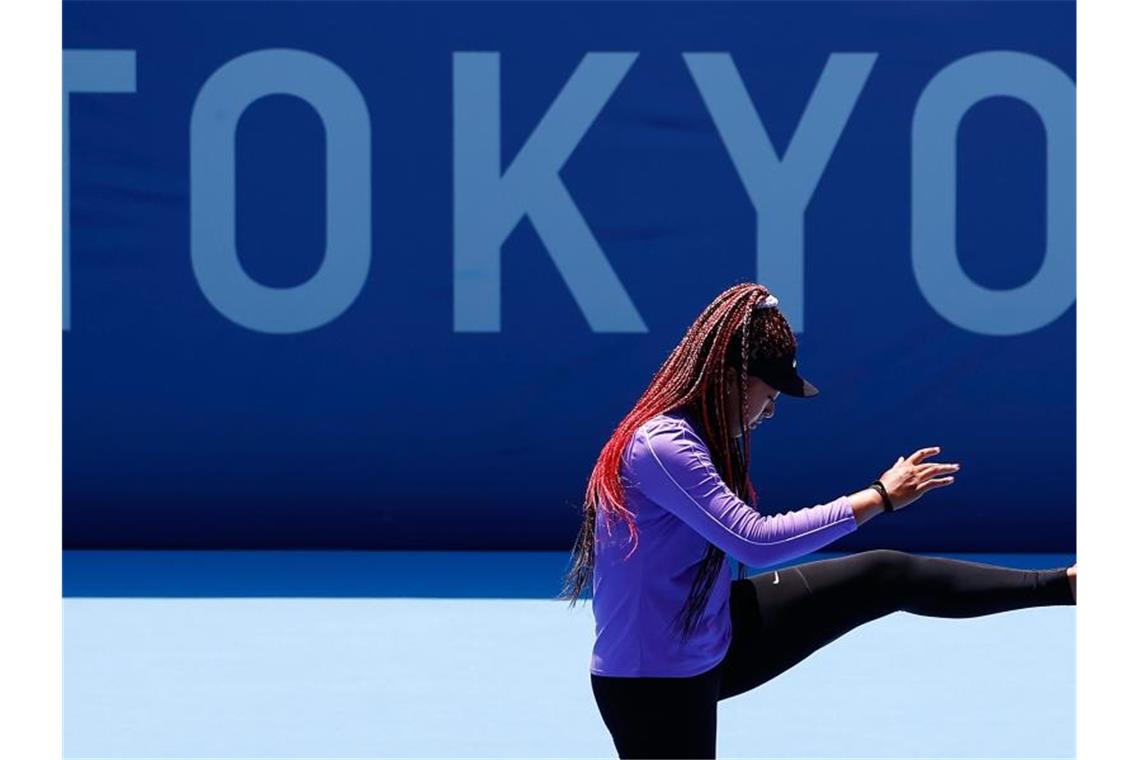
pixel 670 496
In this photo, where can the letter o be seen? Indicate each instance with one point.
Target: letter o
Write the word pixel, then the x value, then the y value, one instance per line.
pixel 213 252
pixel 937 116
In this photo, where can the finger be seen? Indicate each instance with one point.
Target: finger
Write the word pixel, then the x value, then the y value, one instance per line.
pixel 921 454
pixel 935 483
pixel 936 468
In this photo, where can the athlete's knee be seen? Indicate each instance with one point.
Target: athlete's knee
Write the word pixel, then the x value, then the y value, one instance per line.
pixel 889 567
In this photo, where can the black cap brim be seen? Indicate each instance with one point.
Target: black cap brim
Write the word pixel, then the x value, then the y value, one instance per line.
pixel 781 374
pixel 798 387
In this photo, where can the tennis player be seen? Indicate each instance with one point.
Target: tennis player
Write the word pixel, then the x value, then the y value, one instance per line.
pixel 670 497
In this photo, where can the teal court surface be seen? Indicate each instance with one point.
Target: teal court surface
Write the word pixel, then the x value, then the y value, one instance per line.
pixel 291 654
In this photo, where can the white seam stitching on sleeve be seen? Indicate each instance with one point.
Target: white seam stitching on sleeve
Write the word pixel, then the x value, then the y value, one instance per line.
pixel 717 522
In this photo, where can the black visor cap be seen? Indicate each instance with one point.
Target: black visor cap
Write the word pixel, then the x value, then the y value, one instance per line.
pixel 781 374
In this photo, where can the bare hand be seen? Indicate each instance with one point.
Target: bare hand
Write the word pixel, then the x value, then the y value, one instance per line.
pixel 910 478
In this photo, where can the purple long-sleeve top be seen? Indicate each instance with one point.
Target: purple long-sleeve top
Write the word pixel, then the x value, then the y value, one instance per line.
pixel 681 504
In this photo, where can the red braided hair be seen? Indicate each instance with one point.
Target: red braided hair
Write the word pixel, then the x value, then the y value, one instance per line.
pixel 714 352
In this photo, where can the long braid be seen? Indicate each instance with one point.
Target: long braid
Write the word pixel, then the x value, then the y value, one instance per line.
pixel 695 374
pixel 736 472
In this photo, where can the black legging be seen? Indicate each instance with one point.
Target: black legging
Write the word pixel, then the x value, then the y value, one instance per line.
pixel 778 624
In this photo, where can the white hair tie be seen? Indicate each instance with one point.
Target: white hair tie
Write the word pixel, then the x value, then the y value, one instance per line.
pixel 767 302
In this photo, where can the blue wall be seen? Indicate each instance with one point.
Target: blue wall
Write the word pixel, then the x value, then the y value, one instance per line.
pixel 444 376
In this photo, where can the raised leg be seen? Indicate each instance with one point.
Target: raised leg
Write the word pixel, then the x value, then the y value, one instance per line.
pixel 781 617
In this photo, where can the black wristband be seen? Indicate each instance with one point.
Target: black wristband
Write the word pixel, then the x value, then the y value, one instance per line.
pixel 882 489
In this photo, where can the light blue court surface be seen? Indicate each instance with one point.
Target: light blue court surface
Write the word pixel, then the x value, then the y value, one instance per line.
pixel 464 654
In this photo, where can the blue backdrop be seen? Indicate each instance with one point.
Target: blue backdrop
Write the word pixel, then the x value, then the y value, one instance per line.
pixel 387 274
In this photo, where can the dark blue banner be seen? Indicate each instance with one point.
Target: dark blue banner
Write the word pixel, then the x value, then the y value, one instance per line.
pixel 388 274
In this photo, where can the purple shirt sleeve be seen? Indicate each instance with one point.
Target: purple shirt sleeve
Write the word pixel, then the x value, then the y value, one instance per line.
pixel 672 466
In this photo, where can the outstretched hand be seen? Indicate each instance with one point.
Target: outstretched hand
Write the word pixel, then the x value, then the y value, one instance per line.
pixel 911 477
